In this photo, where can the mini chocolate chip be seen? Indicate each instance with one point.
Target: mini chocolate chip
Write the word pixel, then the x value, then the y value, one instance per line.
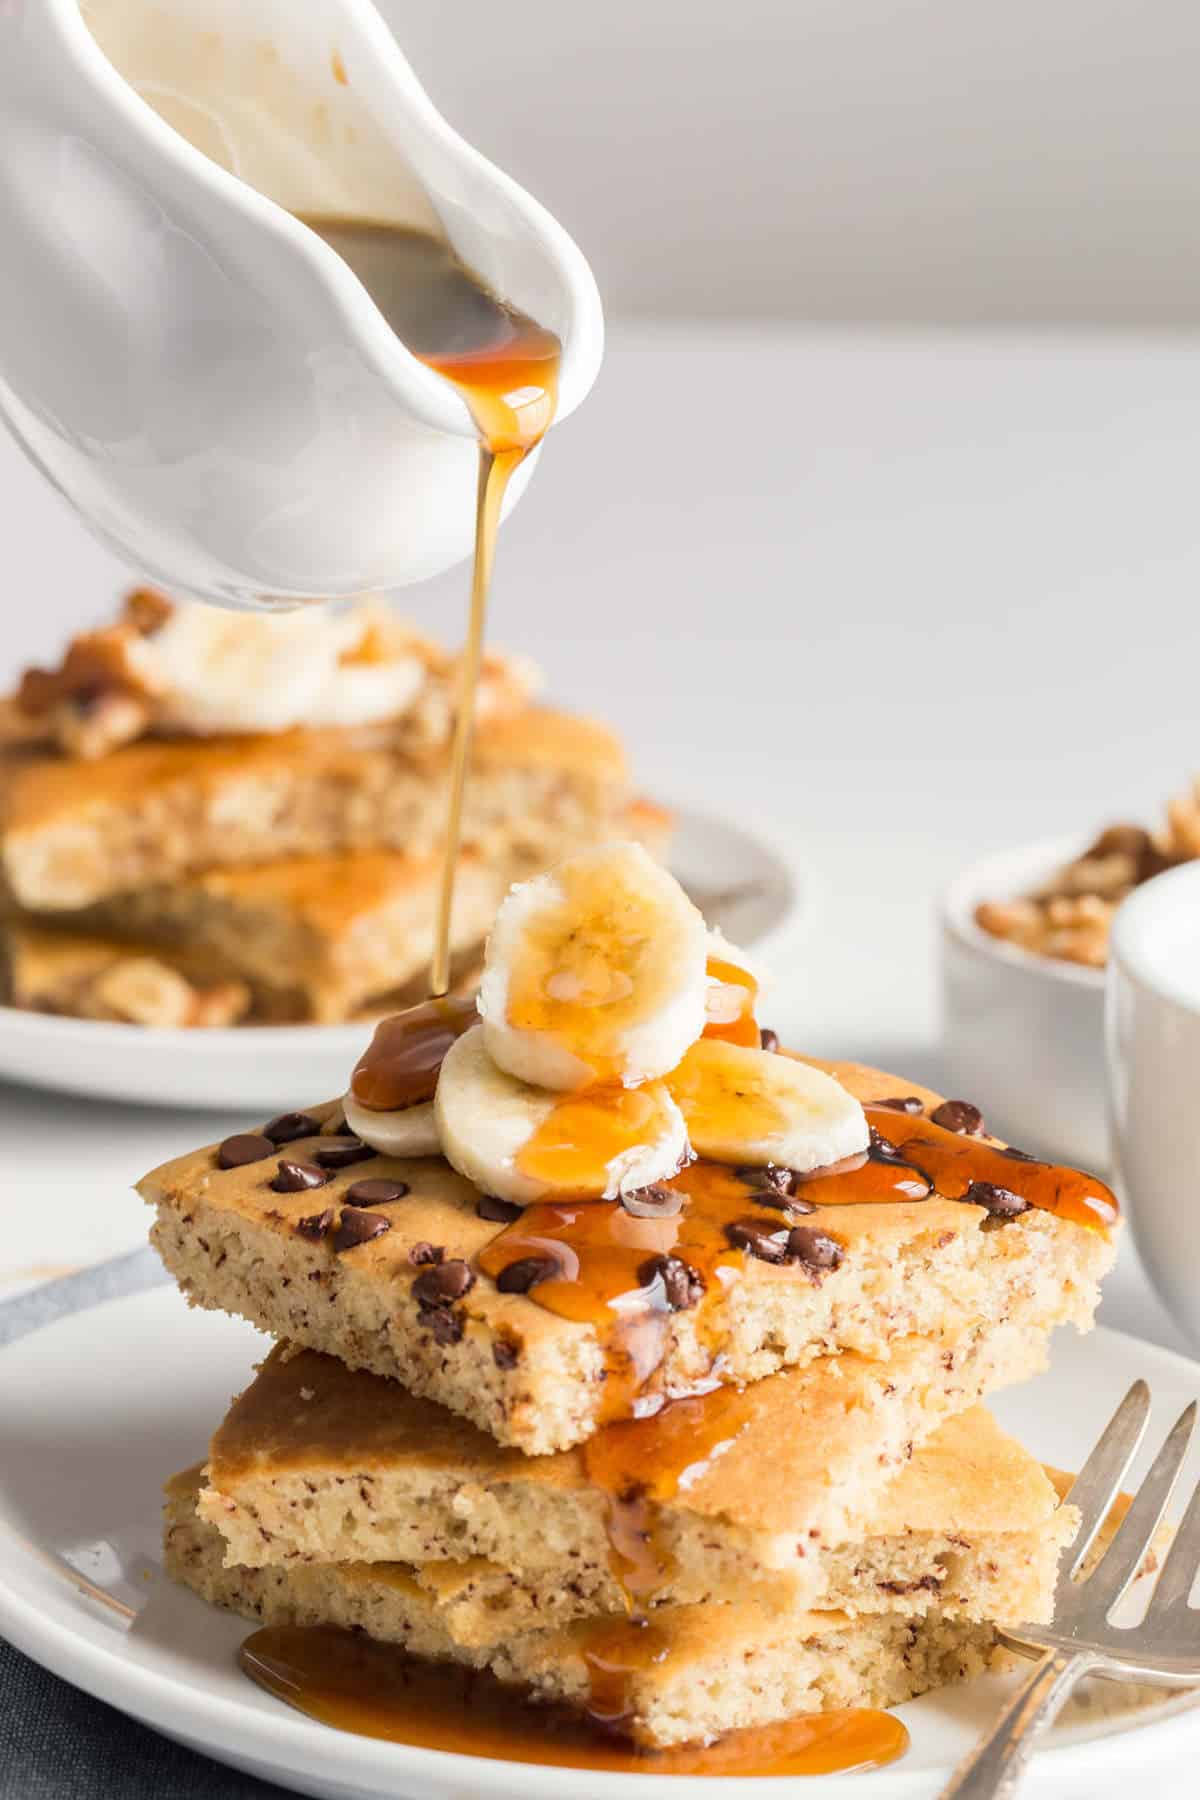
pixel 316 1225
pixel 683 1286
pixel 505 1353
pixel 654 1202
pixel 358 1227
pixel 423 1253
pixel 772 1186
pixel 445 1324
pixel 339 1153
pixel 882 1149
pixel 290 1126
pixel 768 1039
pixel 376 1193
pixel 294 1177
pixel 497 1211
pixel 813 1248
pixel 902 1103
pixel 777 1202
pixel 1001 1202
pixel 520 1276
pixel 765 1241
pixel 960 1116
pixel 769 1176
pixel 244 1147
pixel 443 1283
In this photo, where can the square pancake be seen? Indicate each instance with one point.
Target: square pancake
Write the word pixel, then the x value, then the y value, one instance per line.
pixel 796 1489
pixel 83 975
pixel 691 1674
pixel 322 938
pixel 75 832
pixel 522 1368
pixel 315 937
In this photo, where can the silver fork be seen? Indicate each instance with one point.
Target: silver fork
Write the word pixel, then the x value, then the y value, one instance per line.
pixel 1163 1647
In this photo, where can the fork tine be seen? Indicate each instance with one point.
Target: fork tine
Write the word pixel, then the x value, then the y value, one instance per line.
pixel 1097 1483
pixel 1123 1558
pixel 1182 1561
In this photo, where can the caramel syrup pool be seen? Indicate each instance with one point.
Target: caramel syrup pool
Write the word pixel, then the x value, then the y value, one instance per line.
pixel 505 366
pixel 348 1681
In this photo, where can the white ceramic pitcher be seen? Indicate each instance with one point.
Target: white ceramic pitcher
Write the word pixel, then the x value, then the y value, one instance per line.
pixel 193 367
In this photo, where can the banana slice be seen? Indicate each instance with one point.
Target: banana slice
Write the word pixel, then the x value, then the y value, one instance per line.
pixel 595 972
pixel 250 672
pixel 748 1106
pixel 524 1144
pixel 408 1131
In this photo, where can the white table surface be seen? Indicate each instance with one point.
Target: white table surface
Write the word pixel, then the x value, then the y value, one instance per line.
pixel 900 600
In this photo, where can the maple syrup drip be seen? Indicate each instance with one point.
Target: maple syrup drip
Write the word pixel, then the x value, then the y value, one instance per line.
pixel 910 1153
pixel 505 366
pixel 732 999
pixel 572 1148
pixel 601 1253
pixel 351 1683
pixel 639 1465
pixel 400 1067
pixel 616 1651
pixel 598 1249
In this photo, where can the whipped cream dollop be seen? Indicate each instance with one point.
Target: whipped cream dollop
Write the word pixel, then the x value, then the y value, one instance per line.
pixel 211 671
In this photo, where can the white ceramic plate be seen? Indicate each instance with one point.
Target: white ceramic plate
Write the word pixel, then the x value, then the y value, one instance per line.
pixel 99 1405
pixel 739 880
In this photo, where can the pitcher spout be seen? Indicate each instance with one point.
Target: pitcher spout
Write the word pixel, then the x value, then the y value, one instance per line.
pixel 199 372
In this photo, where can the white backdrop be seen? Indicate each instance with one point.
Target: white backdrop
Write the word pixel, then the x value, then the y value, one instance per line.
pixel 847 159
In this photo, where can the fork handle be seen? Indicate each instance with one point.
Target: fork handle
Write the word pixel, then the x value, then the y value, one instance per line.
pixel 993 1768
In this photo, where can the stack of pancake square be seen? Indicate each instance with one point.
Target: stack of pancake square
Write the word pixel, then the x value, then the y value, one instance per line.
pixel 434 1461
pixel 159 876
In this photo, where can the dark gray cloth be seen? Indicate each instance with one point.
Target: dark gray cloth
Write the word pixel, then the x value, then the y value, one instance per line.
pixel 57 1743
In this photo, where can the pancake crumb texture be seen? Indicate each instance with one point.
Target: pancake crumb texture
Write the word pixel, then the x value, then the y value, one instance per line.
pixel 723 1671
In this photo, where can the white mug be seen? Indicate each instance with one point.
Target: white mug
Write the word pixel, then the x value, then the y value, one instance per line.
pixel 1153 1045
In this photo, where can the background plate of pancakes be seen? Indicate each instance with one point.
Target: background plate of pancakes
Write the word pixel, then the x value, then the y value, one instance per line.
pixel 744 884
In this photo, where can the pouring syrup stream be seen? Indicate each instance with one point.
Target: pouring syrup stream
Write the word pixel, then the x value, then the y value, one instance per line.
pixel 505 365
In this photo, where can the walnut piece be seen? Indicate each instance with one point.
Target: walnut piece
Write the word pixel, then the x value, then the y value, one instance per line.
pixel 1070 916
pixel 100 695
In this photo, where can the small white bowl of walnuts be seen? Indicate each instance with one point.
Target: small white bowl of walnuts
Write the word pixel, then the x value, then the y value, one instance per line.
pixel 1024 947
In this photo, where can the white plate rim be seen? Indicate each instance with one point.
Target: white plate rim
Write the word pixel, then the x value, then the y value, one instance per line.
pixel 169 1705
